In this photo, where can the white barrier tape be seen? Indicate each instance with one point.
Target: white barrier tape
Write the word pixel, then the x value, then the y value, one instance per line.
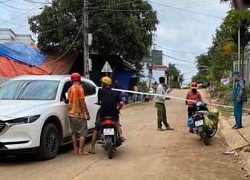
pixel 173 97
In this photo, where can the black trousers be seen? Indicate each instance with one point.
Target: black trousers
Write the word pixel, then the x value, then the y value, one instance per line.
pixel 190 111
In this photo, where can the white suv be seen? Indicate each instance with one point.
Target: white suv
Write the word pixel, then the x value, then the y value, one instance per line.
pixel 34 116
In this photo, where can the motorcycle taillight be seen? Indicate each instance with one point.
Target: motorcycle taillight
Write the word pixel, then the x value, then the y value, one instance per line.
pixel 108 121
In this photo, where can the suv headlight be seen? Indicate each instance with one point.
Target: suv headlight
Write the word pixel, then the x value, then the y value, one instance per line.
pixel 23 120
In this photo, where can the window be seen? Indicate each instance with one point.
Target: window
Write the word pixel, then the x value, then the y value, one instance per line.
pixel 65 90
pixel 29 90
pixel 89 89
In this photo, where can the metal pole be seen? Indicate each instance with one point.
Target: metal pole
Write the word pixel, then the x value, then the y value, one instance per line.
pixel 150 74
pixel 85 39
pixel 150 71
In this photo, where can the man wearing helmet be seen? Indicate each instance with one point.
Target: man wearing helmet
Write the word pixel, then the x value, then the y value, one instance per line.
pixel 111 103
pixel 78 114
pixel 192 96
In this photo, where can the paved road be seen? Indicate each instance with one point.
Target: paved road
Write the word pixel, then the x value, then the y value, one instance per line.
pixel 146 154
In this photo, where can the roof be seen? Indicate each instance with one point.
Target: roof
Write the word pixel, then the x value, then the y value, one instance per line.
pixel 10 68
pixel 9 29
pixel 41 77
pixel 113 60
pixel 160 67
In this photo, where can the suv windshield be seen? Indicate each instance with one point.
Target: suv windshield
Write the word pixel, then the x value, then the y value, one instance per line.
pixel 29 90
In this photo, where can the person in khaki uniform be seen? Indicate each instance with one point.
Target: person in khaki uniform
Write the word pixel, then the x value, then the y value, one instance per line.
pixel 160 105
pixel 78 114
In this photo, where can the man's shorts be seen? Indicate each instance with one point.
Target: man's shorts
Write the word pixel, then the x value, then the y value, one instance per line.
pixel 79 126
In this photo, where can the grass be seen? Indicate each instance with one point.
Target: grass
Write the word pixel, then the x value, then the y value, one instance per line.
pixel 223 95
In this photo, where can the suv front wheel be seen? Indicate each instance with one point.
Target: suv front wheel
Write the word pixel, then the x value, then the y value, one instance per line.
pixel 49 143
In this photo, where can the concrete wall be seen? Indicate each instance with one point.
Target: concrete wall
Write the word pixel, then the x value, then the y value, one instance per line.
pixel 25 39
pixel 247 61
pixel 7 35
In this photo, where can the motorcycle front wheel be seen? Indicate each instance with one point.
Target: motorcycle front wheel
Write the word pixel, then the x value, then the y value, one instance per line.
pixel 215 128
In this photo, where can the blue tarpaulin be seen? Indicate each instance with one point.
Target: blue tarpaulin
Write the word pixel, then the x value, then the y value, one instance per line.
pixel 22 53
pixel 123 77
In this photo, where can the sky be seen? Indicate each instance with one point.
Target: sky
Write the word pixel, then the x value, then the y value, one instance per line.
pixel 185 28
pixel 185 31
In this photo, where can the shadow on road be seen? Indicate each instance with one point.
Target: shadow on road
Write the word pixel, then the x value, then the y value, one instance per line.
pixel 31 158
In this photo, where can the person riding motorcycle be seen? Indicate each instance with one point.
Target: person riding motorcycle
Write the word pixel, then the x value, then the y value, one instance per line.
pixel 193 95
pixel 110 104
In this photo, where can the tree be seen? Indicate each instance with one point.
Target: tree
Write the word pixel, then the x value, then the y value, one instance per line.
pixel 203 61
pixel 119 27
pixel 213 65
pixel 239 4
pixel 239 20
pixel 175 78
pixel 181 78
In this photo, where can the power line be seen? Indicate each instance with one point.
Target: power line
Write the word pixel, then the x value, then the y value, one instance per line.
pixel 125 10
pixel 111 5
pixel 176 58
pixel 10 10
pixel 5 1
pixel 36 2
pixel 19 15
pixel 25 3
pixel 70 44
pixel 205 2
pixel 50 30
pixel 16 8
pixel 180 51
pixel 79 10
pixel 195 12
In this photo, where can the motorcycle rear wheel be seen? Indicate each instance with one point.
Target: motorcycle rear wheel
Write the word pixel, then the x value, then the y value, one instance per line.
pixel 204 138
pixel 110 151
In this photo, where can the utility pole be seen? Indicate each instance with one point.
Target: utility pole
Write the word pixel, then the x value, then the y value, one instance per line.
pixel 150 70
pixel 85 38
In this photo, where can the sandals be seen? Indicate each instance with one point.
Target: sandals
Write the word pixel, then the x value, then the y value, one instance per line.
pixel 91 152
pixel 83 153
pixel 75 152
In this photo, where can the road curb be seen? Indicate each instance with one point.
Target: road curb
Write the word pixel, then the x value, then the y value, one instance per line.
pixel 233 138
pixel 132 104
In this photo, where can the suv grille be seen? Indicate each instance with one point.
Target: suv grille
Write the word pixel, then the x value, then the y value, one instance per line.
pixel 2 126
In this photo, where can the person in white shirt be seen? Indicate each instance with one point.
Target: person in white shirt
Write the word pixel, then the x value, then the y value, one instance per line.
pixel 160 105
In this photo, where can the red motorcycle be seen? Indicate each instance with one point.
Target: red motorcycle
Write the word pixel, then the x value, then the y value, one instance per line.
pixel 109 135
